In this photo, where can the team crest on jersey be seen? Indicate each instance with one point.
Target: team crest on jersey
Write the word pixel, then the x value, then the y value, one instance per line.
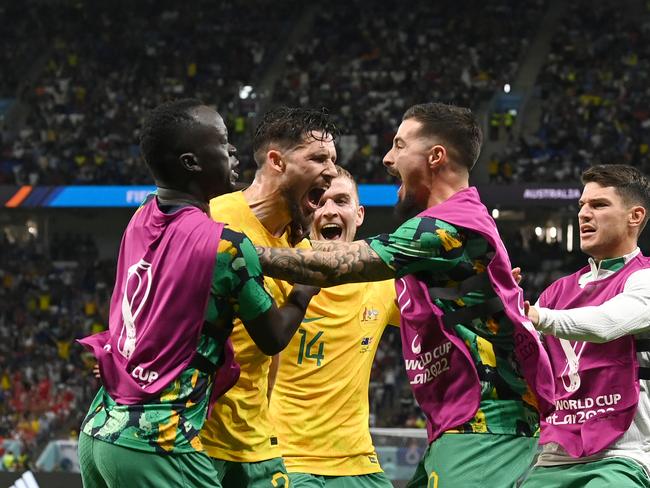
pixel 369 314
pixel 366 342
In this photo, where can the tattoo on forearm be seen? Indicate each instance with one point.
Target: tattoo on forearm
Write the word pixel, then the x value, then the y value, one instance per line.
pixel 343 263
pixel 328 246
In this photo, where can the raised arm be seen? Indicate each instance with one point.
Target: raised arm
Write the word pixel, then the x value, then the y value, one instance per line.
pixel 330 265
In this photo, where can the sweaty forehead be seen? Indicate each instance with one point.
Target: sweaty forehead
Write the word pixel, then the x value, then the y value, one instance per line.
pixel 317 144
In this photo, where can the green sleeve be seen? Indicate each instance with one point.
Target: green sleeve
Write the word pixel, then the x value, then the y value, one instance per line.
pixel 238 283
pixel 420 244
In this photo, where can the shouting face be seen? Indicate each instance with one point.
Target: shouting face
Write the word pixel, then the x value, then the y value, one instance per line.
pixel 407 160
pixel 309 171
pixel 339 213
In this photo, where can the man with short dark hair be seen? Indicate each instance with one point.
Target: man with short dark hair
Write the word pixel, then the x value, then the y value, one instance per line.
pixel 474 362
pixel 597 326
pixel 181 278
pixel 295 153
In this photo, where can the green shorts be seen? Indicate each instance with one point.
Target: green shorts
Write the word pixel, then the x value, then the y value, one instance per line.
pixel 263 474
pixel 606 473
pixel 374 480
pixel 474 461
pixel 106 465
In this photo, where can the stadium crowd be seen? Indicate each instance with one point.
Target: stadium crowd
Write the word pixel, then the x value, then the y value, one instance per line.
pixel 86 106
pixel 357 67
pixel 47 300
pixel 17 50
pixel 594 97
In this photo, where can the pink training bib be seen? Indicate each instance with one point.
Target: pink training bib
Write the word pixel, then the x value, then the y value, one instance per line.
pixel 162 286
pixel 596 385
pixel 439 366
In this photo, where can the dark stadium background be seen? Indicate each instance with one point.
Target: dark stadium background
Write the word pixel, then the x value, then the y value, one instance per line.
pixel 557 86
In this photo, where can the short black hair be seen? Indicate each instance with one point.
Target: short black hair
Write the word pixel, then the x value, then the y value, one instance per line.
pixel 160 132
pixel 456 126
pixel 630 183
pixel 289 127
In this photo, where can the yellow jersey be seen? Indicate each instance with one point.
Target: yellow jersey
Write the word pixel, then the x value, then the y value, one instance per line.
pixel 320 399
pixel 239 428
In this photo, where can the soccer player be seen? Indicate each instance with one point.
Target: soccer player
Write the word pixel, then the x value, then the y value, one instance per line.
pixel 320 398
pixel 180 279
pixel 295 153
pixel 474 362
pixel 598 326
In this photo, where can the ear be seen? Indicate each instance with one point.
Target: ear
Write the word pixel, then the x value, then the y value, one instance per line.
pixel 189 162
pixel 361 213
pixel 637 216
pixel 437 156
pixel 275 161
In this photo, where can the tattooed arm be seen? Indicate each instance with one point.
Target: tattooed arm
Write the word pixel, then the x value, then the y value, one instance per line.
pixel 329 245
pixel 331 264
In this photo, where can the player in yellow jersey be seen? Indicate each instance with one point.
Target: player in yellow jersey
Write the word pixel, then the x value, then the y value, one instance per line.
pixel 320 399
pixel 295 153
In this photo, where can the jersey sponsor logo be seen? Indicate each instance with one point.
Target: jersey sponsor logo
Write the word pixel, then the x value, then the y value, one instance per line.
pixel 366 342
pixel 311 319
pixel 571 374
pixel 136 292
pixel 373 459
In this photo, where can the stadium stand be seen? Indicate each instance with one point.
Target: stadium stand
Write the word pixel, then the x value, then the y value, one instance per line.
pixel 45 304
pixel 360 62
pixel 87 104
pixel 594 96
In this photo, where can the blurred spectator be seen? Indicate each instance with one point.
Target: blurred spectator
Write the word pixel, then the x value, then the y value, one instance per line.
pixel 110 62
pixel 45 379
pixel 594 96
pixel 21 40
pixel 367 62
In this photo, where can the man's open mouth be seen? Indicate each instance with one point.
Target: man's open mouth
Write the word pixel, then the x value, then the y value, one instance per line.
pixel 331 232
pixel 314 195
